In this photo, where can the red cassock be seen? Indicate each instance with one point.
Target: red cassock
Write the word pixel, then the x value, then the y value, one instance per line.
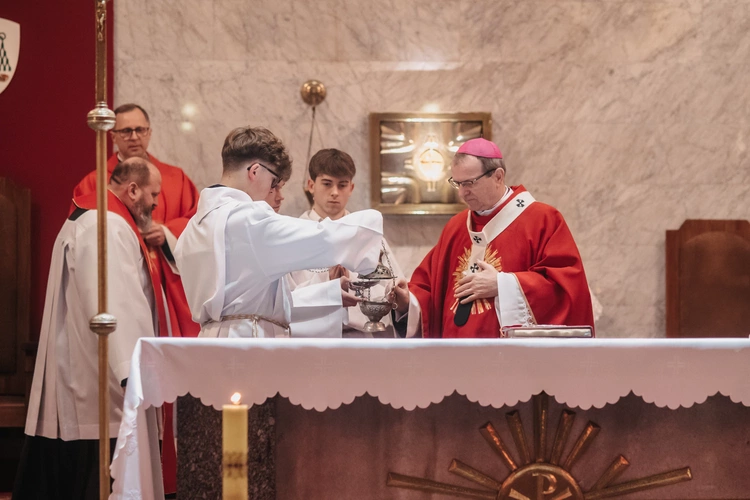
pixel 537 247
pixel 176 205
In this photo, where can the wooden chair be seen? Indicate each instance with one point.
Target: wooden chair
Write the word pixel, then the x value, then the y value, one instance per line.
pixel 708 279
pixel 16 366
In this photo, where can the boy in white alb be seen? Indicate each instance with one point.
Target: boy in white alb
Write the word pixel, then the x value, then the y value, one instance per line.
pixel 331 185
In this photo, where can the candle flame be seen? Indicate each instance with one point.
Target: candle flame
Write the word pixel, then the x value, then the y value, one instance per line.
pixel 236 398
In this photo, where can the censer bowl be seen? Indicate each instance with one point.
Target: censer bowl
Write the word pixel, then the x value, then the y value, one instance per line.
pixel 375 310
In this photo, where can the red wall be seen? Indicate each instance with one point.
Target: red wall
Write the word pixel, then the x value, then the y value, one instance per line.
pixel 45 144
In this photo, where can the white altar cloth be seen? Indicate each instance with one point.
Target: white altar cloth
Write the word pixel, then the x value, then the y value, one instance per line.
pixel 325 373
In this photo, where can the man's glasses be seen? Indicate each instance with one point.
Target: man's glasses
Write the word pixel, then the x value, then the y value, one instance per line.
pixel 470 182
pixel 127 132
pixel 276 177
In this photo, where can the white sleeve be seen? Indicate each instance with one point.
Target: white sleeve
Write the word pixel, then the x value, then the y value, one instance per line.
pixel 305 278
pixel 414 318
pixel 285 244
pixel 317 310
pixel 127 301
pixel 510 302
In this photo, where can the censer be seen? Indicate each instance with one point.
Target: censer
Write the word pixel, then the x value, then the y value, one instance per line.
pixel 376 308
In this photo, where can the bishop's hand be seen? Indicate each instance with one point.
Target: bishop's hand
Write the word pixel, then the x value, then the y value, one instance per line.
pixel 399 295
pixel 479 285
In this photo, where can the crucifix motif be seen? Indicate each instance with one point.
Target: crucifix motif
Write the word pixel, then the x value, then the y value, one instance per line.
pixel 474 268
pixel 477 239
pixel 520 203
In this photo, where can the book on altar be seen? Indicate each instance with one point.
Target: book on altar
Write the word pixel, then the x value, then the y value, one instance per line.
pixel 555 331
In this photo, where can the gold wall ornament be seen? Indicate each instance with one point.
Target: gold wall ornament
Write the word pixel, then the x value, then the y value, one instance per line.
pixel 541 479
pixel 313 92
pixel 410 158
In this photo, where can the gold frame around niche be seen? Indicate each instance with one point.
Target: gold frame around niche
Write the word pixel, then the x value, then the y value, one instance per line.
pixel 428 208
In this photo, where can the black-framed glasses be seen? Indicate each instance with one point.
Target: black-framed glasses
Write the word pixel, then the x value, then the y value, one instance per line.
pixel 127 132
pixel 276 177
pixel 470 182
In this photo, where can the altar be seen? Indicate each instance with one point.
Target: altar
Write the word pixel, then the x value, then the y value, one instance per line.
pixel 363 419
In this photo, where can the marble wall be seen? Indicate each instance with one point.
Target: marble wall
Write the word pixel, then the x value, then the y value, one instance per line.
pixel 627 115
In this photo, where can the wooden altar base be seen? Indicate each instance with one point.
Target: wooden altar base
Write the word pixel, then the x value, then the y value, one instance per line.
pixel 347 453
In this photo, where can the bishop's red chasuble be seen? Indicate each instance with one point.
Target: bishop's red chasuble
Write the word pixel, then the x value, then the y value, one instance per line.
pixel 522 236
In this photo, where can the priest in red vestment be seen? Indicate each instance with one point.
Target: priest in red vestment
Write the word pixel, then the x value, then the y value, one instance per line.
pixel 179 199
pixel 177 203
pixel 508 260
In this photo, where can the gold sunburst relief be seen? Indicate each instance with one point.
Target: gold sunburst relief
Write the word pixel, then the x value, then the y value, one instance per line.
pixel 491 257
pixel 537 475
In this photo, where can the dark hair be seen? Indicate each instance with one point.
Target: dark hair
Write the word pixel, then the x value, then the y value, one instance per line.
pixel 131 170
pixel 487 163
pixel 333 162
pixel 245 144
pixel 125 108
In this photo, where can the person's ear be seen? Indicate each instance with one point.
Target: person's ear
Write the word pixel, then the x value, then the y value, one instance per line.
pixel 310 184
pixel 501 175
pixel 132 191
pixel 252 172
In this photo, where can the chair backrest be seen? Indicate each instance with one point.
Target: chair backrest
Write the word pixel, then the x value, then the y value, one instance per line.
pixel 708 279
pixel 15 278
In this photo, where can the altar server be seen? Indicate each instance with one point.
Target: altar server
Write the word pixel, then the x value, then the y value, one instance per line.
pixel 60 457
pixel 507 260
pixel 331 184
pixel 236 249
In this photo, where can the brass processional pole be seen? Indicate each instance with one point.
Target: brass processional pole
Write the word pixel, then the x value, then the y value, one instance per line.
pixel 102 119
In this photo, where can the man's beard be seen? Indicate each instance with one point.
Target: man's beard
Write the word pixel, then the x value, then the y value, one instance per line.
pixel 142 215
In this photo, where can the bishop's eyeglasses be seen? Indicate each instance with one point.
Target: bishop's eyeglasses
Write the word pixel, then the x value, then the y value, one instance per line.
pixel 469 183
pixel 127 132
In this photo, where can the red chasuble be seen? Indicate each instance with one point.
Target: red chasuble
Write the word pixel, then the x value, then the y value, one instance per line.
pixel 177 203
pixel 536 247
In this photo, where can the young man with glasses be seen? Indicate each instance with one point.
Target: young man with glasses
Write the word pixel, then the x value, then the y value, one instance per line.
pixel 506 260
pixel 235 252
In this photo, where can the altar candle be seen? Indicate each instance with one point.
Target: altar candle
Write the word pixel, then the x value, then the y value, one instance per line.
pixel 234 450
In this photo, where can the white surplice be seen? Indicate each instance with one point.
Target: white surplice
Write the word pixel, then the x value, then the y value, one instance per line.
pixel 64 394
pixel 235 252
pixel 353 317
